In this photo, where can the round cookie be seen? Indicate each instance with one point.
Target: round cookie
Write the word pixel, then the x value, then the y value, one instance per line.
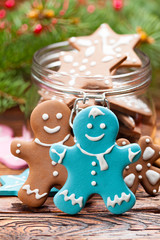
pixel 50 124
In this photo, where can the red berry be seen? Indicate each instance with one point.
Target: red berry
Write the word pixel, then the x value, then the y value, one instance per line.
pixel 10 3
pixel 2 25
pixel 117 4
pixel 62 12
pixel 2 13
pixel 38 29
pixel 54 21
pixel 91 8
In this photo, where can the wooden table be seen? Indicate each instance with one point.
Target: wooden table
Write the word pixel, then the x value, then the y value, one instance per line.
pixel 17 221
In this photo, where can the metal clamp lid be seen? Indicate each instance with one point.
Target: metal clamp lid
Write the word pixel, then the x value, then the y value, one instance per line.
pixel 98 98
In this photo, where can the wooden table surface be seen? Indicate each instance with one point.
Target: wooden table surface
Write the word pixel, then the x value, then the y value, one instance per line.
pixel 17 221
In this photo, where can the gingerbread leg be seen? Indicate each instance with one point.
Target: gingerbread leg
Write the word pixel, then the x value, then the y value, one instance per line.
pixel 70 200
pixel 34 193
pixel 119 201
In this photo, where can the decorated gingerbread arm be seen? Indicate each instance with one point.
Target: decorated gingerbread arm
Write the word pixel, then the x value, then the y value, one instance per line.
pixel 58 153
pixel 131 153
pixel 21 149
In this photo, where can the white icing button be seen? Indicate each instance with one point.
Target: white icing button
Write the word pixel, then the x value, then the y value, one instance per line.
pixel 85 60
pixel 93 172
pixel 93 183
pixel 18 151
pixel 53 163
pixel 89 125
pixel 82 68
pixel 118 49
pixel 45 116
pixel 18 145
pixel 140 177
pixel 68 58
pixel 154 190
pixel 139 167
pixel 127 167
pixel 147 140
pixel 88 73
pixel 93 63
pixel 107 82
pixel 72 71
pixel 55 173
pixel 59 115
pixel 148 165
pixel 75 64
pixel 94 163
pixel 102 125
pixel 118 55
pixel 124 143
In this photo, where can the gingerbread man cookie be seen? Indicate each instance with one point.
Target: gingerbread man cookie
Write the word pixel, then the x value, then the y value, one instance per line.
pixel 50 124
pixel 95 163
pixel 143 171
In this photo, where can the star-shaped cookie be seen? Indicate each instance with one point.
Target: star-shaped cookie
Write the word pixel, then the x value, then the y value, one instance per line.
pixel 111 44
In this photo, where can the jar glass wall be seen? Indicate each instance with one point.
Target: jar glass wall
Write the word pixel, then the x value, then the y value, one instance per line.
pixel 129 97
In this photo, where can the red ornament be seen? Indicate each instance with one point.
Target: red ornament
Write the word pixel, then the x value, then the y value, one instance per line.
pixel 2 13
pixel 38 29
pixel 10 3
pixel 118 4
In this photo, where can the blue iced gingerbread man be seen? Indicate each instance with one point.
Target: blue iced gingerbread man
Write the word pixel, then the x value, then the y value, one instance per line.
pixel 95 163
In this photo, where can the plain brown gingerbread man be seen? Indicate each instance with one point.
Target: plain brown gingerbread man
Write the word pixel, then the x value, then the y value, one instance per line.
pixel 50 124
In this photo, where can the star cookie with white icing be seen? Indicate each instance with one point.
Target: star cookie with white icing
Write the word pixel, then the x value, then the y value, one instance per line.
pixel 50 124
pixel 96 58
pixel 111 45
pixel 143 172
pixel 88 69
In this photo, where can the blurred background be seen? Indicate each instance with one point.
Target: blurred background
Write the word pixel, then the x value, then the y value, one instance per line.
pixel 26 26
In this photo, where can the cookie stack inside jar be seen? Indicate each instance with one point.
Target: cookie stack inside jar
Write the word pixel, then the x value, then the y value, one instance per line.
pixel 104 64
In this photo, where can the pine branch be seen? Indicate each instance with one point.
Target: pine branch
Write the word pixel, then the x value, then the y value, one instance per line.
pixel 18 41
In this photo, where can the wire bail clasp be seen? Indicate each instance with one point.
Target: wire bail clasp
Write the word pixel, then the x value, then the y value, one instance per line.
pixel 98 98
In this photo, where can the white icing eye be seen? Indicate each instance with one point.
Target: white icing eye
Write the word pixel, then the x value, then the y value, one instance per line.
pixel 45 116
pixel 89 125
pixel 59 115
pixel 102 125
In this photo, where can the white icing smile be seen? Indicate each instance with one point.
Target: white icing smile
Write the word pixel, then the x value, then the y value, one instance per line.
pixel 94 139
pixel 51 130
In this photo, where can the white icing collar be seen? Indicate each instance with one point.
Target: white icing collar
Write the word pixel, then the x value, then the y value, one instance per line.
pixel 100 156
pixel 50 144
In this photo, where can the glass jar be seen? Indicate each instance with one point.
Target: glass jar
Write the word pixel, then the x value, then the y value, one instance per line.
pixel 129 97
